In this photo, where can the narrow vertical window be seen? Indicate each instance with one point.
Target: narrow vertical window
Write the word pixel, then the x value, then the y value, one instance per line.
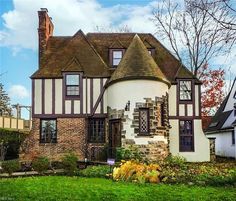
pixel 234 109
pixel 185 90
pixel 186 136
pixel 48 131
pixel 116 57
pixel 72 85
pixel 233 137
pixel 143 121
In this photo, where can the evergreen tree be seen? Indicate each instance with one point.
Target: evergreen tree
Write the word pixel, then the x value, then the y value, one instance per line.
pixel 5 108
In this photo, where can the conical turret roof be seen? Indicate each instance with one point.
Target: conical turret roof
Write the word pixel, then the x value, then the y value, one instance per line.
pixel 137 63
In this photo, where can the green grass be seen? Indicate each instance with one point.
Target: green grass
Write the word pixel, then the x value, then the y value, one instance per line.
pixel 77 188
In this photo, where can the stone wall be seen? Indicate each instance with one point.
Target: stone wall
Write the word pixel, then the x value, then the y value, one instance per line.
pixel 71 133
pixel 155 145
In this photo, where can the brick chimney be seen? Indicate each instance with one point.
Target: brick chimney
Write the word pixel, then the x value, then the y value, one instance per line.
pixel 45 30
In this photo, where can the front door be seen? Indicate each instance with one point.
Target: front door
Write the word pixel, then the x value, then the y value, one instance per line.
pixel 114 136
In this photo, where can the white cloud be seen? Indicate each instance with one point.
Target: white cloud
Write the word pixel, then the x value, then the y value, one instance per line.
pixel 18 91
pixel 68 17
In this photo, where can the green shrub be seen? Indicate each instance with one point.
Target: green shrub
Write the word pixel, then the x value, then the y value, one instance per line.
pixel 11 141
pixel 10 166
pixel 40 164
pixel 176 161
pixel 128 153
pixel 100 171
pixel 69 162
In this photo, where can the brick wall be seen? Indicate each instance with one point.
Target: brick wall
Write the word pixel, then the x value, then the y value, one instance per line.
pixel 71 133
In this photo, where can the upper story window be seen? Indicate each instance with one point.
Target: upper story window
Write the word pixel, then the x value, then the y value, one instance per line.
pixel 116 56
pixel 235 95
pixel 48 131
pixel 234 109
pixel 72 85
pixel 185 90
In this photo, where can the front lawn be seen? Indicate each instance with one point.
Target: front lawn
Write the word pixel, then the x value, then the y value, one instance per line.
pixel 78 188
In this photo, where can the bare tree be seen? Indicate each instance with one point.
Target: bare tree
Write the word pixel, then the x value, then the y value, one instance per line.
pixel 193 33
pixel 120 29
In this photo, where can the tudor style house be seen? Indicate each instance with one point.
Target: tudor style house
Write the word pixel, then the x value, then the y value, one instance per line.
pixel 223 126
pixel 99 90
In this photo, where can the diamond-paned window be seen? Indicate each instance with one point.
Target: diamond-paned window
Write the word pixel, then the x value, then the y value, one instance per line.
pixel 144 121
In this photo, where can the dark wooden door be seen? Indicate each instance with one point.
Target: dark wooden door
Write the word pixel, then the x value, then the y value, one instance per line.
pixel 114 136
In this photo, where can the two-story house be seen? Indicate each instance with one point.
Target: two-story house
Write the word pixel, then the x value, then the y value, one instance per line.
pixel 112 90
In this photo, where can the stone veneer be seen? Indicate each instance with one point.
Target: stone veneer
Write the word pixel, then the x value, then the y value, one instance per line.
pixel 153 150
pixel 71 134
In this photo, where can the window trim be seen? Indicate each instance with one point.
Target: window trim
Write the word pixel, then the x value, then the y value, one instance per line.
pixel 193 143
pixel 40 131
pixel 104 134
pixel 111 55
pixel 72 97
pixel 192 91
pixel 148 122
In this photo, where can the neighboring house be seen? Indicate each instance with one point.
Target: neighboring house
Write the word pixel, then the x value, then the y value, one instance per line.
pixel 223 126
pixel 111 90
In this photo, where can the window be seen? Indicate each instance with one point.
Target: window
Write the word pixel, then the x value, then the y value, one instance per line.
pixel 143 121
pixel 48 131
pixel 72 85
pixel 96 130
pixel 235 95
pixel 186 136
pixel 233 137
pixel 151 51
pixel 116 57
pixel 185 90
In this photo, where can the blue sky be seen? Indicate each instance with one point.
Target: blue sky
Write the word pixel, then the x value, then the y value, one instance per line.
pixel 18 32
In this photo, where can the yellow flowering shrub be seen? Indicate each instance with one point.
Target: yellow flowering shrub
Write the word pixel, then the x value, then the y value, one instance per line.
pixel 137 172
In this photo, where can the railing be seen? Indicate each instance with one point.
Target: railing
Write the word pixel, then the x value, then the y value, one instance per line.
pixel 14 123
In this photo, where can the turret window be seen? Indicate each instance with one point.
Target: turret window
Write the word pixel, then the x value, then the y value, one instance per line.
pixel 143 121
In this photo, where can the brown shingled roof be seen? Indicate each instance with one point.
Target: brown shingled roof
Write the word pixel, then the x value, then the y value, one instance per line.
pixel 168 64
pixel 77 47
pixel 92 54
pixel 137 63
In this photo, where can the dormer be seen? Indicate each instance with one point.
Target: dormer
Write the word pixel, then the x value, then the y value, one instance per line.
pixel 115 56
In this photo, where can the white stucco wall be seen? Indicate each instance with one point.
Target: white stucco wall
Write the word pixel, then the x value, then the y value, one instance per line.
pixel 197 100
pixel 134 91
pixel 201 143
pixel 172 100
pixel 38 96
pixel 48 96
pixel 223 144
pixel 58 96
